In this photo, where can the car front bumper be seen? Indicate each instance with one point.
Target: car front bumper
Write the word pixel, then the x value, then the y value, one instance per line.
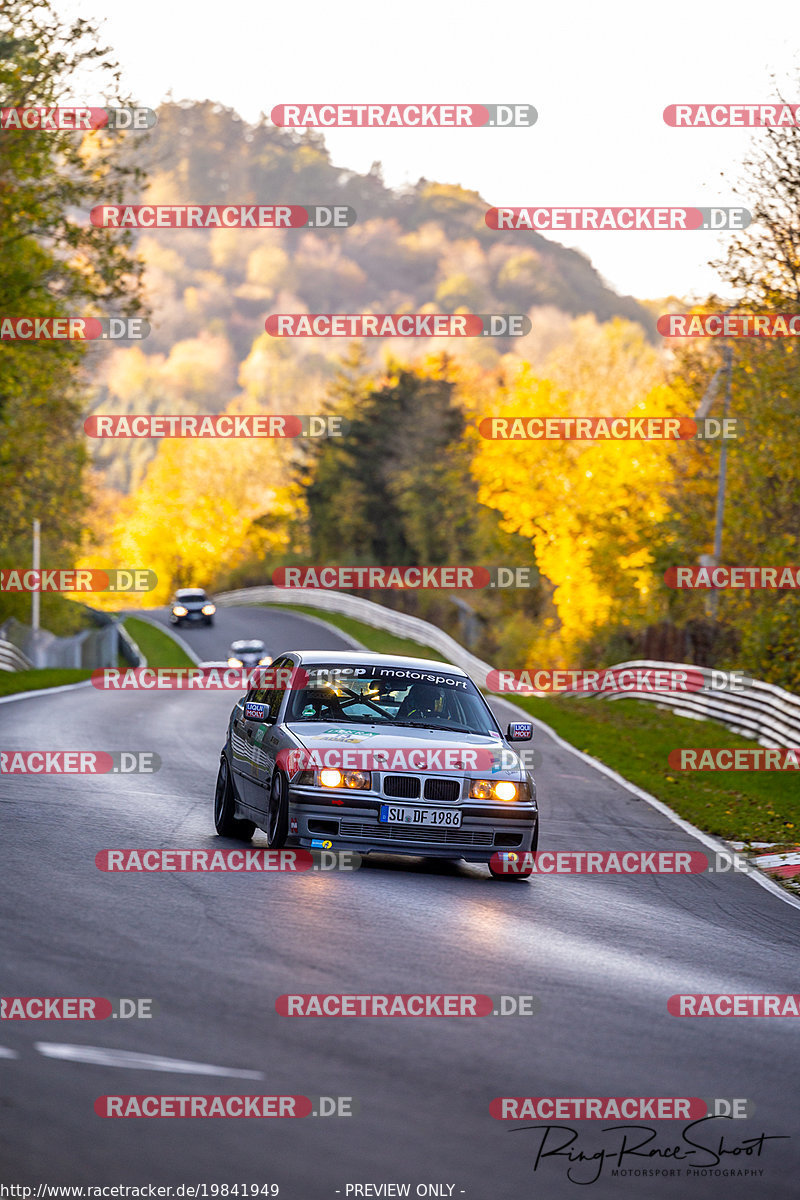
pixel 484 831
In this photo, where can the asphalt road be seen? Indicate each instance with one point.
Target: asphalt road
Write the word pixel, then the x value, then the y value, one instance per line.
pixel 213 951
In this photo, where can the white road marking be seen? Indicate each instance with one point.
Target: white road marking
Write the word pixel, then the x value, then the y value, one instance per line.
pixel 6 1053
pixel 705 839
pixel 107 1056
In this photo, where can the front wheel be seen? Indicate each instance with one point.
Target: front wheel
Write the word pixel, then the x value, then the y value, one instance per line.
pixel 226 824
pixel 278 812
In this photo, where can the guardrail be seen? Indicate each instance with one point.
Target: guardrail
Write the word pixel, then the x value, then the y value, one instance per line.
pixel 12 658
pixel 40 648
pixel 760 711
pixel 127 647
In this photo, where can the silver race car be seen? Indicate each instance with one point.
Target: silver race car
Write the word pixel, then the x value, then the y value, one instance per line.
pixel 372 752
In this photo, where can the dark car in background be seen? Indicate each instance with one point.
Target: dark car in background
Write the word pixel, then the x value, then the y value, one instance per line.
pixel 248 652
pixel 191 606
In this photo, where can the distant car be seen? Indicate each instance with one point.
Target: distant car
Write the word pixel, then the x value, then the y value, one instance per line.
pixel 483 804
pixel 193 606
pixel 248 653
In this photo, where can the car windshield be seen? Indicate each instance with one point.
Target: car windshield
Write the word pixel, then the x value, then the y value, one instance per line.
pixel 190 595
pixel 248 647
pixel 391 695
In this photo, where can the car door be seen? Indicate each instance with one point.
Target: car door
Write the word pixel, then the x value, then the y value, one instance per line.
pixel 266 742
pixel 243 747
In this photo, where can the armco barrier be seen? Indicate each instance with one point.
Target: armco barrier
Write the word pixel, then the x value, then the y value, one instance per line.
pixel 12 659
pixel 127 647
pixel 90 649
pixel 760 711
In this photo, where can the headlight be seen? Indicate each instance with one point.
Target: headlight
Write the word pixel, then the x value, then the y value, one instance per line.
pixel 347 779
pixel 235 662
pixel 208 609
pixel 486 789
pixel 179 611
pixel 265 661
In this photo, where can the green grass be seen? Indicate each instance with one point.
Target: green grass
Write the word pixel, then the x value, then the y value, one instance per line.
pixel 156 645
pixel 634 737
pixel 30 681
pixel 374 639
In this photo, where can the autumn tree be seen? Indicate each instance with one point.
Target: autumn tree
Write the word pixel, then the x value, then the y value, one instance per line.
pixel 53 263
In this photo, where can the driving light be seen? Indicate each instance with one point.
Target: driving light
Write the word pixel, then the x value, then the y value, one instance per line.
pixel 330 778
pixel 208 609
pixel 505 790
pixel 350 779
pixel 262 662
pixel 235 662
pixel 486 789
pixel 179 611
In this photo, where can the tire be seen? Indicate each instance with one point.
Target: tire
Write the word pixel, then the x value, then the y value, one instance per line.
pixel 226 824
pixel 278 812
pixel 209 620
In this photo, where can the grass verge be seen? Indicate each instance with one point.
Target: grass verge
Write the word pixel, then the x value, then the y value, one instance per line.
pixel 156 645
pixel 12 682
pixel 634 737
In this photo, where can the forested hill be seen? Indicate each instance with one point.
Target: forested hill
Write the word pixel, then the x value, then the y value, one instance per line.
pixel 211 290
pixel 204 153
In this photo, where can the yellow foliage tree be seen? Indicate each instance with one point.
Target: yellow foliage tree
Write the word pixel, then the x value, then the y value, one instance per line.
pixel 592 510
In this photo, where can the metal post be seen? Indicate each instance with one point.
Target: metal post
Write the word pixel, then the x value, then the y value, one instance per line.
pixel 723 458
pixel 37 528
pixel 723 470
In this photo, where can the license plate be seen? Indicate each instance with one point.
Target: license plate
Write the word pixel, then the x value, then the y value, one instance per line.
pixel 401 815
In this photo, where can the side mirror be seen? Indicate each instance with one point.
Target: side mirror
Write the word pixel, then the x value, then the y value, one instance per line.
pixel 519 731
pixel 256 712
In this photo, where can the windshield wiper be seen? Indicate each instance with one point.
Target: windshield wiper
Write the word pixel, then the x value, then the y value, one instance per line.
pixel 338 720
pixel 437 728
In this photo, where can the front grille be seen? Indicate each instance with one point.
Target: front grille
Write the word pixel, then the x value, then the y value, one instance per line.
pixel 402 833
pixel 406 786
pixel 442 789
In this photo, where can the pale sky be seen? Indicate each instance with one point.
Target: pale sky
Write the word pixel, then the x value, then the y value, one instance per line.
pixel 599 74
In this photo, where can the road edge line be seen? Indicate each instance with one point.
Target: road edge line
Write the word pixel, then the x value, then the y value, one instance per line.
pixel 707 839
pixel 60 687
